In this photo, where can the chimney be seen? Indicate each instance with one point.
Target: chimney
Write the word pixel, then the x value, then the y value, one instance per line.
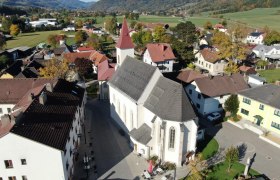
pixel 31 97
pixel 49 87
pixel 43 98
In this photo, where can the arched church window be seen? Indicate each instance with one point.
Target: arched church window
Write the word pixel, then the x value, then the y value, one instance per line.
pixel 171 137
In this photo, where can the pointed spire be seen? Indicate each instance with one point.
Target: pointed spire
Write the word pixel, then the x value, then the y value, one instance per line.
pixel 125 41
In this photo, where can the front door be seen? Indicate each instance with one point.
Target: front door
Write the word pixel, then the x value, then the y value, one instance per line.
pixel 258 122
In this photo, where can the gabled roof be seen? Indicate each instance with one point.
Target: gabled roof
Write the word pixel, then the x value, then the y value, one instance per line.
pixel 72 56
pixel 97 57
pixel 132 77
pixel 210 55
pixel 105 71
pixel 188 76
pixel 160 52
pixel 221 85
pixel 169 101
pixel 142 134
pixel 125 41
pixel 12 90
pixel 51 123
pixel 268 94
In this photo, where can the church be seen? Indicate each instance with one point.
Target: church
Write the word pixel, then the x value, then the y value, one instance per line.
pixel 153 110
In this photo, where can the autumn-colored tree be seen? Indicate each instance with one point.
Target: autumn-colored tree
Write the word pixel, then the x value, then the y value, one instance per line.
pixel 54 69
pixel 52 40
pixel 2 42
pixel 231 68
pixel 208 25
pixel 6 24
pixel 80 36
pixel 132 24
pixel 159 32
pixel 141 38
pixel 273 37
pixel 14 30
pixel 79 23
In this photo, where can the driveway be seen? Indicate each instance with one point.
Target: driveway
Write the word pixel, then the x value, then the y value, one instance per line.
pixel 113 155
pixel 266 156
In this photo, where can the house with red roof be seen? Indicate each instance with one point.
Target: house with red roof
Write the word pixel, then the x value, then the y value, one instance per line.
pixel 160 55
pixel 220 28
pixel 105 72
pixel 97 57
pixel 85 49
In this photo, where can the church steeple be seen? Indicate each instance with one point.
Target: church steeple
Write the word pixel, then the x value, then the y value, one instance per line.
pixel 124 46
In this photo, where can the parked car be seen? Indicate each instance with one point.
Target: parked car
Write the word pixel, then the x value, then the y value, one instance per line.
pixel 214 116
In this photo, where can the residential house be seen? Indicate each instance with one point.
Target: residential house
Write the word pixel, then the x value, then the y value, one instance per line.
pixel 105 72
pixel 64 48
pixel 19 52
pixel 255 38
pixel 208 59
pixel 267 52
pixel 220 28
pixel 69 28
pixel 152 109
pixel 159 55
pixel 247 70
pixel 208 94
pixel 85 49
pixel 97 57
pixel 261 106
pixel 47 133
pixel 13 90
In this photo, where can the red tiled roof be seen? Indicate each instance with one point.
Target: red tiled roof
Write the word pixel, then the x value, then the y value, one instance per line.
pixel 219 26
pixel 247 69
pixel 97 57
pixel 189 75
pixel 85 49
pixel 105 71
pixel 210 55
pixel 160 52
pixel 125 41
pixel 71 57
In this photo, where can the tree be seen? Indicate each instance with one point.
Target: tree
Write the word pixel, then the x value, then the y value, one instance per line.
pixel 132 24
pixel 196 167
pixel 147 37
pixel 80 36
pixel 6 24
pixel 4 61
pixel 272 37
pixel 231 68
pixel 232 156
pixel 2 42
pixel 159 32
pixel 262 63
pixel 83 66
pixel 79 23
pixel 14 30
pixel 208 25
pixel 54 69
pixel 232 104
pixel 183 52
pixel 111 24
pixel 186 32
pixel 94 42
pixel 52 40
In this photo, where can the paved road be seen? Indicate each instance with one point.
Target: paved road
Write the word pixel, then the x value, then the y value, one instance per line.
pixel 267 157
pixel 113 156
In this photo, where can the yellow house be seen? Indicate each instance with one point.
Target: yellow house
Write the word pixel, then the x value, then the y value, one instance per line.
pixel 261 105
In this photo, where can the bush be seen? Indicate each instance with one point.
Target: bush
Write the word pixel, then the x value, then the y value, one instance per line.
pixel 168 166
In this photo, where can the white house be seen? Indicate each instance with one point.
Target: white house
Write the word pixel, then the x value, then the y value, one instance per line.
pixel 267 52
pixel 208 94
pixel 255 38
pixel 69 28
pixel 255 80
pixel 159 55
pixel 47 134
pixel 208 59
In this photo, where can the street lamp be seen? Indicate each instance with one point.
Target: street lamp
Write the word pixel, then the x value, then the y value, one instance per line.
pixel 86 163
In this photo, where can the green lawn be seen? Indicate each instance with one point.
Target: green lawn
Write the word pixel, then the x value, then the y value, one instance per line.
pixel 219 171
pixel 270 75
pixel 30 39
pixel 208 147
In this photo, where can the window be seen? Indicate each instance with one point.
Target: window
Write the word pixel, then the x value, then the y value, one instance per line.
pixel 277 112
pixel 199 96
pixel 197 105
pixel 190 91
pixel 9 110
pixel 8 164
pixel 23 162
pixel 275 125
pixel 246 100
pixel 261 107
pixel 12 178
pixel 166 62
pixel 24 177
pixel 171 137
pixel 1 111
pixel 67 165
pixel 243 111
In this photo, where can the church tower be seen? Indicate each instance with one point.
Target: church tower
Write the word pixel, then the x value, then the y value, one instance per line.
pixel 124 47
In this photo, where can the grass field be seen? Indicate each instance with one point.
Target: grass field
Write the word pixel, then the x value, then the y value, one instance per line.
pixel 207 147
pixel 270 75
pixel 256 18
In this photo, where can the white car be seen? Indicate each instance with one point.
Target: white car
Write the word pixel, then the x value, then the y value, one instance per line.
pixel 214 116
